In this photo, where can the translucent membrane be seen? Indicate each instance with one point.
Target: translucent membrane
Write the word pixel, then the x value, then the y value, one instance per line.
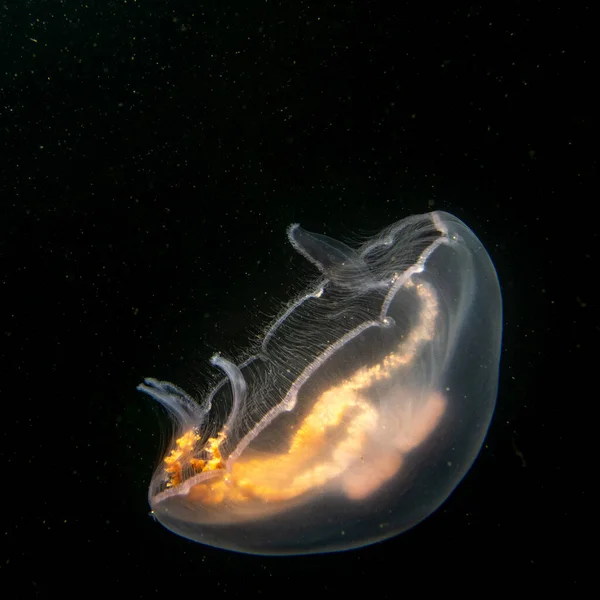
pixel 360 411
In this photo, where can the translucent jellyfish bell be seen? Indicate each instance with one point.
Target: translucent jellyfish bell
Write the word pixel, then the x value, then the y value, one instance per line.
pixel 360 411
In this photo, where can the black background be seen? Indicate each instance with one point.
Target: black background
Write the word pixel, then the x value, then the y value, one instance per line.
pixel 153 154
